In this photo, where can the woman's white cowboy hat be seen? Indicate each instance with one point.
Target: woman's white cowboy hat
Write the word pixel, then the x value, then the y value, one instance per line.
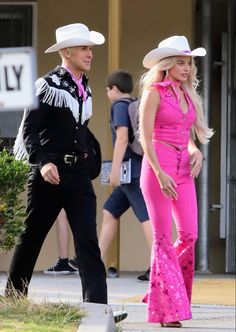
pixel 172 46
pixel 76 34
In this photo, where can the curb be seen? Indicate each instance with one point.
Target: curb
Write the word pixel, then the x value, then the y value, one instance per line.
pixel 99 318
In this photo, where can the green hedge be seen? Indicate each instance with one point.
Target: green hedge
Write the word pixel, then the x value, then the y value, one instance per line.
pixel 13 176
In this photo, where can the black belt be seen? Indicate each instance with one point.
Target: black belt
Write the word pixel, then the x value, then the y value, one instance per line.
pixel 69 158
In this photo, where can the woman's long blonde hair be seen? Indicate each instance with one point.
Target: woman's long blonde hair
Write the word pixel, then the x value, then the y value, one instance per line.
pixel 158 72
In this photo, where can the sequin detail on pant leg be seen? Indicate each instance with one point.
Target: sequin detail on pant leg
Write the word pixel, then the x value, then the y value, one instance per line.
pixel 184 247
pixel 167 298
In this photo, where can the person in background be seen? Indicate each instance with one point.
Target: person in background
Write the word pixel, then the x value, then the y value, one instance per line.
pixel 170 110
pixel 64 265
pixel 120 85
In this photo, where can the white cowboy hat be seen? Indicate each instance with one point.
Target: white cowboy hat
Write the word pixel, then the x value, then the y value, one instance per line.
pixel 76 34
pixel 172 46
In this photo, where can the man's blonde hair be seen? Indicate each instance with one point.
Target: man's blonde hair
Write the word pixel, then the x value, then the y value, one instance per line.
pixel 61 52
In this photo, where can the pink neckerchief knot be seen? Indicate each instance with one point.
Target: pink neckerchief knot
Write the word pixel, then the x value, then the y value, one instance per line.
pixel 79 84
pixel 168 82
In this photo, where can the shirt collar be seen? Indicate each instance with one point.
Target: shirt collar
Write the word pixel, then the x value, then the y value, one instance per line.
pixel 81 82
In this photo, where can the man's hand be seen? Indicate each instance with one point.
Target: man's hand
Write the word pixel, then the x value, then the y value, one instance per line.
pixel 50 173
pixel 196 159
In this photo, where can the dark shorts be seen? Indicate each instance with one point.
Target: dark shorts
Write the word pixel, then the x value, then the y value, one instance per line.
pixel 126 196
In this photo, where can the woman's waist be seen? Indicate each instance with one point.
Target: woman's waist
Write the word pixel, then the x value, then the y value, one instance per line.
pixel 174 145
pixel 172 133
pixel 177 142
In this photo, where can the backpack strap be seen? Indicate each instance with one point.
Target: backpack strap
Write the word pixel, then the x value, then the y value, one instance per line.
pixel 127 100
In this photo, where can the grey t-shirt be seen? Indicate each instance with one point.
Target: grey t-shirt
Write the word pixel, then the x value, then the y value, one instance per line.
pixel 120 118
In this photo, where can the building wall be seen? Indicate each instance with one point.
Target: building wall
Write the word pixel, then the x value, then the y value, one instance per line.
pixel 142 27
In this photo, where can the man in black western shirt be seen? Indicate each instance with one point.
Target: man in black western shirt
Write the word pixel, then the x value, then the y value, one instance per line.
pixel 55 140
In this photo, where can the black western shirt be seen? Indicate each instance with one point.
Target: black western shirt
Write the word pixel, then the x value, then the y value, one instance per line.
pixel 56 126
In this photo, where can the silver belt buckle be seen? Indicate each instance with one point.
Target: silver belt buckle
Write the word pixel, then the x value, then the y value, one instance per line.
pixel 69 159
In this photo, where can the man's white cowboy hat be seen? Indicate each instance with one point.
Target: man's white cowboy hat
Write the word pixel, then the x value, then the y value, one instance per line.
pixel 76 34
pixel 172 46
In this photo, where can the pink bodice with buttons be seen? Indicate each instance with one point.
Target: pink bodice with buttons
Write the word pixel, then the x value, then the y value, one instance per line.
pixel 172 125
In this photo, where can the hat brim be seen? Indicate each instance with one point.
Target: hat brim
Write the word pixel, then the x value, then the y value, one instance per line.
pixel 96 38
pixel 156 55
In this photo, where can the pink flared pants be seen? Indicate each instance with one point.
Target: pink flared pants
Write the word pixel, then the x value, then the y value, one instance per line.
pixel 172 265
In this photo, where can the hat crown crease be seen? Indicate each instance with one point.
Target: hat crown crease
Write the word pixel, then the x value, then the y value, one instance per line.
pixel 177 42
pixel 72 32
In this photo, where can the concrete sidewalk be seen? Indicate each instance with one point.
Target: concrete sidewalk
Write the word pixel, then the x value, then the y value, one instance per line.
pixel 121 292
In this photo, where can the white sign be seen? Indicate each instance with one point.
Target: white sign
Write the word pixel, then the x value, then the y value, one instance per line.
pixel 17 77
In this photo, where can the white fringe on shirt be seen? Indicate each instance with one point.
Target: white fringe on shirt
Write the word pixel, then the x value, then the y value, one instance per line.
pixel 60 97
pixel 53 97
pixel 19 149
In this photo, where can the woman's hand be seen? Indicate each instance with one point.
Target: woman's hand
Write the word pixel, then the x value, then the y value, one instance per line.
pixel 168 185
pixel 196 159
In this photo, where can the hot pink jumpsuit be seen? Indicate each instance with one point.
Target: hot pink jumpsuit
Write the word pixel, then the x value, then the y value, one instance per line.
pixel 172 266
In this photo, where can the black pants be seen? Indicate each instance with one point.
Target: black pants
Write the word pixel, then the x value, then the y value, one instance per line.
pixel 76 195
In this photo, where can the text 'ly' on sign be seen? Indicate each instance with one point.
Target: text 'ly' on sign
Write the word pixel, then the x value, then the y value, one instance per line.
pixel 17 77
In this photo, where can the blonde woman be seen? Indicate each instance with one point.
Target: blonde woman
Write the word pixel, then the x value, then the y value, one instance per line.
pixel 170 114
